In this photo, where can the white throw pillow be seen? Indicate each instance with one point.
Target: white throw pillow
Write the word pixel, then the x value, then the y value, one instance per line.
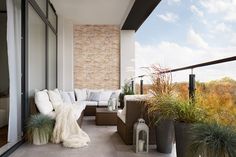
pixel 66 98
pixel 81 94
pixel 92 90
pixel 55 97
pixel 105 95
pixel 42 102
pixel 72 96
pixel 94 96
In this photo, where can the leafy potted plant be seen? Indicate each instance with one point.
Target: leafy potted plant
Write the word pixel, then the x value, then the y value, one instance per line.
pixel 126 90
pixel 186 115
pixel 160 109
pixel 39 129
pixel 213 140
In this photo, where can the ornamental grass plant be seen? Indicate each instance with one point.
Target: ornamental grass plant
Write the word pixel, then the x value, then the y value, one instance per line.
pixel 39 129
pixel 213 140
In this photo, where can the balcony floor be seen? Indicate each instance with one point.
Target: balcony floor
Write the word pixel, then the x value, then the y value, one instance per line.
pixel 105 142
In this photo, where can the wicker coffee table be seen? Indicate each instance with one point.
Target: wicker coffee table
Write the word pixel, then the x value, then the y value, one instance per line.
pixel 105 117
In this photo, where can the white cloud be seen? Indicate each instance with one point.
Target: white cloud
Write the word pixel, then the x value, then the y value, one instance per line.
pixel 172 55
pixel 170 2
pixel 195 10
pixel 169 17
pixel 216 6
pixel 195 39
pixel 222 28
pixel 227 8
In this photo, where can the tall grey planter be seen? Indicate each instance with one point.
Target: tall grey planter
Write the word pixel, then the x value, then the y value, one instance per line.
pixel 165 136
pixel 183 138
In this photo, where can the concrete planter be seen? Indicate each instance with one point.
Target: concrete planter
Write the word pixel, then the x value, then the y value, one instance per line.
pixel 183 138
pixel 165 136
pixel 39 138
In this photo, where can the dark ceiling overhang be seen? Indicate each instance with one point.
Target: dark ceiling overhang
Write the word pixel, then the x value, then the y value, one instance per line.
pixel 139 13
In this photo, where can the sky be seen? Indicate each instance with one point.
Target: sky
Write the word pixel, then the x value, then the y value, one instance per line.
pixel 179 33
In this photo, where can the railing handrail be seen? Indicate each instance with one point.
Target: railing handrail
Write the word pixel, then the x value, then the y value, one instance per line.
pixel 228 59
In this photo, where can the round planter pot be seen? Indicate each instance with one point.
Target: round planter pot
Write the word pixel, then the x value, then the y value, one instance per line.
pixel 39 139
pixel 183 138
pixel 165 136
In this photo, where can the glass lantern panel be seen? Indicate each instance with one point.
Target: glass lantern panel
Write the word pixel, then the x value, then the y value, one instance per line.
pixel 142 141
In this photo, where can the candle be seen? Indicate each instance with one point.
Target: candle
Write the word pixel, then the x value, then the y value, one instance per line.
pixel 110 107
pixel 113 104
pixel 140 145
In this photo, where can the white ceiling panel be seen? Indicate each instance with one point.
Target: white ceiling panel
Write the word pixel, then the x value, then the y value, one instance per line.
pixel 94 12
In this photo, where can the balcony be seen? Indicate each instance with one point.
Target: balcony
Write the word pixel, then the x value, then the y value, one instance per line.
pixel 77 78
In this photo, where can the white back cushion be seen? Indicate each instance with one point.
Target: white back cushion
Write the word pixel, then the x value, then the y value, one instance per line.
pixel 105 95
pixel 89 91
pixel 94 96
pixel 81 94
pixel 42 102
pixel 55 97
pixel 66 97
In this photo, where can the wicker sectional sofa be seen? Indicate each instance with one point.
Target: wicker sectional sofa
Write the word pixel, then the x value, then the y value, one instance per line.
pixel 134 108
pixel 94 98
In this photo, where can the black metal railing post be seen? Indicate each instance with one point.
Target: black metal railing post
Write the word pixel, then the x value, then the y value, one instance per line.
pixel 132 85
pixel 141 85
pixel 192 87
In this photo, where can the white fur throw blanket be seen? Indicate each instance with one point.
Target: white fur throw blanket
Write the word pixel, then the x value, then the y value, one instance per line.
pixel 67 130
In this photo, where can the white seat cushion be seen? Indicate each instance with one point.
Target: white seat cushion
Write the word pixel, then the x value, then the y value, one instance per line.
pixel 91 103
pixel 42 102
pixel 102 103
pixel 81 94
pixel 82 104
pixel 120 115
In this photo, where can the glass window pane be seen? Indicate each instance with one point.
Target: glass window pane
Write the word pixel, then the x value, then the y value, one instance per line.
pixel 52 17
pixel 36 52
pixel 52 60
pixel 42 4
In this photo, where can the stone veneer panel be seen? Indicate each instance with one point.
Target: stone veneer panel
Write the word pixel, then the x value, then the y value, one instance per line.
pixel 96 56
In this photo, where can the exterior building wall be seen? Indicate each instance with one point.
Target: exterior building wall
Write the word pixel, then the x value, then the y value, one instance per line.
pixel 96 56
pixel 65 54
pixel 127 56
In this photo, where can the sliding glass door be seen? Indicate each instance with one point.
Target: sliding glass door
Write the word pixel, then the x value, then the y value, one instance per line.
pixel 4 76
pixel 52 60
pixel 36 51
pixel 42 47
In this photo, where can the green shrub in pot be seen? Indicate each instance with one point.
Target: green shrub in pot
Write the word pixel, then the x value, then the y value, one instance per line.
pixel 39 129
pixel 161 113
pixel 126 90
pixel 186 115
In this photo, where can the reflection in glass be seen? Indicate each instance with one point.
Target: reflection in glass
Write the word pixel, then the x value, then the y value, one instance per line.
pixel 52 60
pixel 42 4
pixel 4 77
pixel 52 17
pixel 36 52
